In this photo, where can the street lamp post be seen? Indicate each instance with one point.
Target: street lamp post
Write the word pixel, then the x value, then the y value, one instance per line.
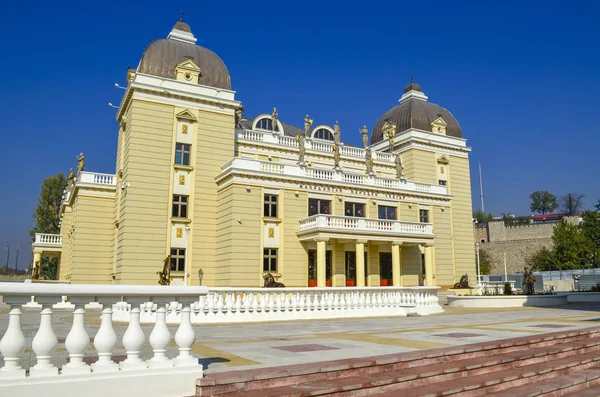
pixel 7 247
pixel 17 260
pixel 478 267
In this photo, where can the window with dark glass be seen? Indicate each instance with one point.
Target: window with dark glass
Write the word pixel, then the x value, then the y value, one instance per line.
pixel 322 133
pixel 180 206
pixel 386 212
pixel 270 260
pixel 270 206
pixel 424 216
pixel 442 182
pixel 354 209
pixel 318 206
pixel 177 259
pixel 265 124
pixel 182 154
pixel 312 265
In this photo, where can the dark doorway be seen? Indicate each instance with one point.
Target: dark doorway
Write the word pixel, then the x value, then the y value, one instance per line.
pixel 312 268
pixel 385 269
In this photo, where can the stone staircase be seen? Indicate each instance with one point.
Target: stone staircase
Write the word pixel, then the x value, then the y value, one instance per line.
pixel 556 364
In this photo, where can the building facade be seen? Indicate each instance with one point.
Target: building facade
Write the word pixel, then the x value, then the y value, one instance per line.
pixel 225 199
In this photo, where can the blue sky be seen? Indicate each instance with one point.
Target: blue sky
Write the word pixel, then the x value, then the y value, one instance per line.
pixel 520 77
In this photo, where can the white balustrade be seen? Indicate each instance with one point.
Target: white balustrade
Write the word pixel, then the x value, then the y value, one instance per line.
pixel 288 141
pixel 354 178
pixel 421 187
pixel 384 157
pixel 335 222
pixel 386 182
pixel 48 239
pixel 319 173
pixel 353 151
pixel 104 376
pixel 97 178
pixel 319 146
pixel 252 135
pixel 271 167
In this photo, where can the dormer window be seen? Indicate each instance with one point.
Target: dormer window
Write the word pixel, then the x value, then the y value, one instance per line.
pixel 324 134
pixel 265 124
pixel 439 125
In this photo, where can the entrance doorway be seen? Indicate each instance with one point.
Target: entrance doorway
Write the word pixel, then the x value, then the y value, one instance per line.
pixel 351 268
pixel 385 269
pixel 312 268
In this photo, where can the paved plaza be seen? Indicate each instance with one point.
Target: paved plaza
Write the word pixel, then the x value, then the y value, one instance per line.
pixel 236 347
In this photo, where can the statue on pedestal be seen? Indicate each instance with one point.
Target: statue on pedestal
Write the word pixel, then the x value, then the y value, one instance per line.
pixel 270 282
pixel 164 277
pixel 528 281
pixel 36 271
pixel 369 161
pixel 399 166
pixel 80 163
pixel 336 157
pixel 307 123
pixel 336 133
pixel 71 175
pixel 274 118
pixel 365 136
pixel 302 151
pixel 238 117
pixel 463 283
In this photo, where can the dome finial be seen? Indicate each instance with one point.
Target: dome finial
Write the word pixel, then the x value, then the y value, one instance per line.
pixel 181 16
pixel 411 78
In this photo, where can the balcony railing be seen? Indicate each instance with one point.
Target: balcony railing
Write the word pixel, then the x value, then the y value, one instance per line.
pixel 133 373
pixel 368 225
pixel 48 239
pixel 311 144
pixel 98 178
pixel 295 171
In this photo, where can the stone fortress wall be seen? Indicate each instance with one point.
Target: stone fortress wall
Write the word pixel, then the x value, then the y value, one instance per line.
pixel 517 242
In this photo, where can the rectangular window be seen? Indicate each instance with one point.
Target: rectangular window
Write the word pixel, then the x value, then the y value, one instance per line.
pixel 354 209
pixel 180 206
pixel 424 216
pixel 386 212
pixel 182 154
pixel 442 182
pixel 177 259
pixel 270 206
pixel 270 260
pixel 318 206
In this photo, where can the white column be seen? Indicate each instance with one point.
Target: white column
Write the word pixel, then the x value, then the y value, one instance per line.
pixel 185 338
pixel 43 344
pixel 11 346
pixel 396 258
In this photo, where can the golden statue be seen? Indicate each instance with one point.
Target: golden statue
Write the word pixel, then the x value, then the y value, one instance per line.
pixel 36 271
pixel 164 277
pixel 80 163
pixel 71 175
pixel 365 136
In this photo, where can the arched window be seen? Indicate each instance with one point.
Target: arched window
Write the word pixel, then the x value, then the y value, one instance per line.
pixel 322 133
pixel 265 124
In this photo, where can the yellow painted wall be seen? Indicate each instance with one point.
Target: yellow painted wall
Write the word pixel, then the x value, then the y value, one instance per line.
pixel 93 240
pixel 339 264
pixel 214 146
pixel 444 260
pixel 144 207
pixel 420 166
pixel 373 279
pixel 409 214
pixel 411 265
pixel 295 254
pixel 459 186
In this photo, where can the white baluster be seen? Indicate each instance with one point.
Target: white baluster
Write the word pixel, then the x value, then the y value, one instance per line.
pixel 210 306
pixel 43 344
pixel 238 305
pixel 255 304
pixel 76 343
pixel 271 303
pixel 229 301
pixel 264 304
pixel 220 305
pixel 132 341
pixel 104 341
pixel 185 337
pixel 11 346
pixel 159 339
pixel 201 304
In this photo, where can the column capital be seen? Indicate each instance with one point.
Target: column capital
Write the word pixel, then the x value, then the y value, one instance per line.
pixel 428 244
pixel 399 243
pixel 321 239
pixel 362 241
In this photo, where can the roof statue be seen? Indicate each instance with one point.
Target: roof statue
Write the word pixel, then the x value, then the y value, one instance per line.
pixel 399 166
pixel 307 123
pixel 71 175
pixel 336 157
pixel 365 136
pixel 369 161
pixel 274 118
pixel 80 163
pixel 302 151
pixel 336 133
pixel 238 117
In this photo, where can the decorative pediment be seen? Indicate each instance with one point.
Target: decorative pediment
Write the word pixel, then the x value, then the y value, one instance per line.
pixel 439 125
pixel 186 115
pixel 388 129
pixel 187 71
pixel 443 159
pixel 188 64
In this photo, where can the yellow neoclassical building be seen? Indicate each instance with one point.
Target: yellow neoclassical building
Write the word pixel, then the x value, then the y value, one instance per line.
pixel 228 198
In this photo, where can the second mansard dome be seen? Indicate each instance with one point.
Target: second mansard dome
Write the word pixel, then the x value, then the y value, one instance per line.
pixel 162 56
pixel 414 111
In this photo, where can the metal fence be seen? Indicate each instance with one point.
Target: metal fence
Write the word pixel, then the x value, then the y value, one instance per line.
pixel 584 278
pixel 518 279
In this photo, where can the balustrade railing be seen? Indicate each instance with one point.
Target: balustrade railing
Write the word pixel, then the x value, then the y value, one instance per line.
pixel 319 174
pixel 271 167
pixel 231 305
pixel 137 373
pixel 97 178
pixel 324 221
pixel 48 239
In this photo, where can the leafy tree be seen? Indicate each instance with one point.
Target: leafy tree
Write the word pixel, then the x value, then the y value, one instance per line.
pixel 485 262
pixel 482 217
pixel 572 204
pixel 590 228
pixel 597 206
pixel 572 249
pixel 542 201
pixel 543 260
pixel 46 219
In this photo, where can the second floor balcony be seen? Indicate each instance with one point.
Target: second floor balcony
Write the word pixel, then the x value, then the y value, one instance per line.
pixel 324 225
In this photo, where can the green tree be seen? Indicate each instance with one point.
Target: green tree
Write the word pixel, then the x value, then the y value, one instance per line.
pixel 542 201
pixel 597 206
pixel 572 204
pixel 590 228
pixel 482 217
pixel 46 219
pixel 572 249
pixel 485 262
pixel 543 260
